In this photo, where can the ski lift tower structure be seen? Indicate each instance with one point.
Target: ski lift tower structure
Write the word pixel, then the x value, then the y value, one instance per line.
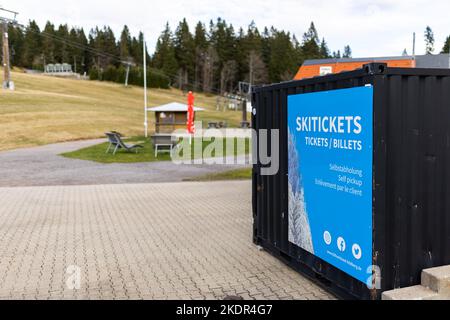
pixel 5 22
pixel 128 64
pixel 245 91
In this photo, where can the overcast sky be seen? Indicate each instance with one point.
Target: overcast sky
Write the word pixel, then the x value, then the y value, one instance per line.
pixel 371 27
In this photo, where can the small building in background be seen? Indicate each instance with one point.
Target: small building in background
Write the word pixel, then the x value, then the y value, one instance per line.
pixel 170 117
pixel 434 61
pixel 321 67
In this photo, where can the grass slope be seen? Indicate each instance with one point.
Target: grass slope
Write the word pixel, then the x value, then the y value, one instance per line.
pixel 46 110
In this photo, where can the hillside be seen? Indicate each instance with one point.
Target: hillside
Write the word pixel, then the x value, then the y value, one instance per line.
pixel 45 110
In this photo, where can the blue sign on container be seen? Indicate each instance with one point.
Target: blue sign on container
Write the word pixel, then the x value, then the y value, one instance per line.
pixel 330 177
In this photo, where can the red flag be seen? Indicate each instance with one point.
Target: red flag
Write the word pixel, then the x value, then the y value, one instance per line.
pixel 190 114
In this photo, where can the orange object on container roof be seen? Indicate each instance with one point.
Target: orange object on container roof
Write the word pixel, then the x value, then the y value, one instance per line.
pixel 315 68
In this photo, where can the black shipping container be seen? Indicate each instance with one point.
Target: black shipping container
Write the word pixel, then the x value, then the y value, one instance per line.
pixel 411 176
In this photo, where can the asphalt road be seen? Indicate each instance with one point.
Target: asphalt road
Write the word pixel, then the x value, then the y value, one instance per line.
pixel 43 166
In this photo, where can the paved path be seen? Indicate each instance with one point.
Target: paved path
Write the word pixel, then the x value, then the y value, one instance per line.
pixel 42 166
pixel 138 241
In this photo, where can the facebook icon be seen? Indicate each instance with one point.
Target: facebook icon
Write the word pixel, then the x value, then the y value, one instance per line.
pixel 341 244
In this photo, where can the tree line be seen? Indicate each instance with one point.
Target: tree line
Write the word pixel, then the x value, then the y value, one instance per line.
pixel 209 58
pixel 217 57
pixel 430 42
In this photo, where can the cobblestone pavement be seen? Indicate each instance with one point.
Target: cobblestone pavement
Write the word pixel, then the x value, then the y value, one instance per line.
pixel 138 241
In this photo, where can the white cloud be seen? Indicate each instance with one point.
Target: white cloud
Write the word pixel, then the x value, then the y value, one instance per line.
pixel 372 28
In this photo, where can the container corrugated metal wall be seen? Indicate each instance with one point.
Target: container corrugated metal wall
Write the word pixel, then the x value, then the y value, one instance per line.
pixel 411 176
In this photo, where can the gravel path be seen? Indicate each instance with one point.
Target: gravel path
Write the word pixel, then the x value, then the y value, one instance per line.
pixel 42 166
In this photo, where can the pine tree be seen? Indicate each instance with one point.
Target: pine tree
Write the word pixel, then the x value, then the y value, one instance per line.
pixel 16 43
pixel 299 59
pixel 311 34
pixel 248 55
pixel 253 38
pixel 324 51
pixel 62 48
pixel 446 48
pixel 347 52
pixel 80 55
pixel 137 50
pixel 265 46
pixel 75 51
pixel 201 46
pixel 337 54
pixel 31 56
pixel 310 47
pixel 429 40
pixel 104 43
pixel 85 54
pixel 48 43
pixel 164 57
pixel 185 53
pixel 200 38
pixel 223 40
pixel 110 47
pixel 125 44
pixel 282 64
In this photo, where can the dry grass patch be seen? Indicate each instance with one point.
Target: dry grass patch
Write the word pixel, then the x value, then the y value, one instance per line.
pixel 46 110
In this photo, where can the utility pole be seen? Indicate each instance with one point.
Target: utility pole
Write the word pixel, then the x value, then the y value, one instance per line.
pixel 98 69
pixel 127 74
pixel 128 63
pixel 244 91
pixel 251 69
pixel 7 83
pixel 244 112
pixel 145 89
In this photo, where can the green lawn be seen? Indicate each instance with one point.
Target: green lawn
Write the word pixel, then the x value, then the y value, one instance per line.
pixel 98 153
pixel 239 174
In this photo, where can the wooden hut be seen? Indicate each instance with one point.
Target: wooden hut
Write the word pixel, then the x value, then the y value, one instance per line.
pixel 170 117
